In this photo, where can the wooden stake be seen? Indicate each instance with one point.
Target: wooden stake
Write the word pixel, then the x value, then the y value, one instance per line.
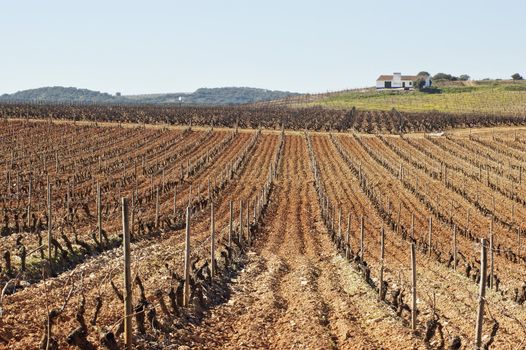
pixel 468 222
pixel 513 212
pixel 186 293
pixel 398 229
pixel 230 223
pixel 255 202
pixel 49 225
pixel 157 207
pixel 454 247
pixel 482 294
pixel 412 226
pixel 519 240
pixel 99 213
pixel 240 221
pixel 128 327
pixel 209 191
pixel 340 224
pixel 190 197
pixel 361 239
pixel 348 237
pixel 249 234
pixel 382 253
pixel 175 200
pixel 413 286
pixel 430 236
pixel 132 215
pixel 213 242
pixel 68 202
pixel 491 253
pixel 30 189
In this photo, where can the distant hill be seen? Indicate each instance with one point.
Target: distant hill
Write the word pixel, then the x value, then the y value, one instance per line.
pixel 215 96
pixel 203 96
pixel 60 94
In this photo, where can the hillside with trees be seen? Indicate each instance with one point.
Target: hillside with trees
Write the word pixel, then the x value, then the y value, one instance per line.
pixel 203 96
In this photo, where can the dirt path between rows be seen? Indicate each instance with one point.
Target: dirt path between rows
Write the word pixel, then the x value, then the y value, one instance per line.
pixel 295 292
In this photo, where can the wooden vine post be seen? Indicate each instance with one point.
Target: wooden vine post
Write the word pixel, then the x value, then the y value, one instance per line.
pixel 491 247
pixel 175 200
pixel 99 213
pixel 347 237
pixel 382 253
pixel 132 213
pixel 413 286
pixel 29 190
pixel 212 242
pixel 68 202
pixel 482 293
pixel 157 207
pixel 128 327
pixel 49 226
pixel 186 293
pixel 430 236
pixel 230 223
pixel 412 226
pixel 519 240
pixel 190 197
pixel 240 221
pixel 254 218
pixel 454 247
pixel 340 224
pixel 398 229
pixel 361 239
pixel 249 234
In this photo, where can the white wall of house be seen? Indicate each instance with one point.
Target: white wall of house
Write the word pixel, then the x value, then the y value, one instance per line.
pixel 380 84
pixel 397 81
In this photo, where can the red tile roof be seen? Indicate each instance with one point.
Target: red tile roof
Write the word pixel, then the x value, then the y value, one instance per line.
pixel 390 77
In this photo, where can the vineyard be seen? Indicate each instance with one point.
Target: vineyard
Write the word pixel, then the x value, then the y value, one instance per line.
pixel 242 234
pixel 268 116
pixel 473 97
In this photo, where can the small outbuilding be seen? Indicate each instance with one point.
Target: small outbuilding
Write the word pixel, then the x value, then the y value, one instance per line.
pixel 398 81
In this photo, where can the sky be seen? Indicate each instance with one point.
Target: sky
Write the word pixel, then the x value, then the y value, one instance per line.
pixel 137 47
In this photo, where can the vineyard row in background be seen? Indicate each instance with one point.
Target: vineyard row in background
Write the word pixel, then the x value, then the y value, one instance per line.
pixel 269 117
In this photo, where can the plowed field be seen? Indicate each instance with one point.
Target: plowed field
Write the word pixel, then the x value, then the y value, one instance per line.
pixel 294 268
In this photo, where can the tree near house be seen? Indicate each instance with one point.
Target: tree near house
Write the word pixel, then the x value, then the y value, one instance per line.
pixel 420 81
pixel 516 76
pixel 445 76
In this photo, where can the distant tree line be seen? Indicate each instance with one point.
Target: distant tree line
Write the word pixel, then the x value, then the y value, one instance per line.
pixel 463 77
pixel 203 96
pixel 449 77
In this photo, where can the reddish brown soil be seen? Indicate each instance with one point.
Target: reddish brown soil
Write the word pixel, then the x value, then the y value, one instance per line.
pixel 294 290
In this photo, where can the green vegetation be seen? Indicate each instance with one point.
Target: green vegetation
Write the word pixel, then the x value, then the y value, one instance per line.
pixel 204 96
pixel 499 97
pixel 449 77
pixel 420 81
pixel 60 94
pixel 216 96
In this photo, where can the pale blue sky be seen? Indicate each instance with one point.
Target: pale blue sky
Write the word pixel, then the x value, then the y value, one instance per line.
pixel 304 46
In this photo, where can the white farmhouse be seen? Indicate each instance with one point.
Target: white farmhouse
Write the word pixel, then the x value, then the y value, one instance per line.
pixel 398 81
